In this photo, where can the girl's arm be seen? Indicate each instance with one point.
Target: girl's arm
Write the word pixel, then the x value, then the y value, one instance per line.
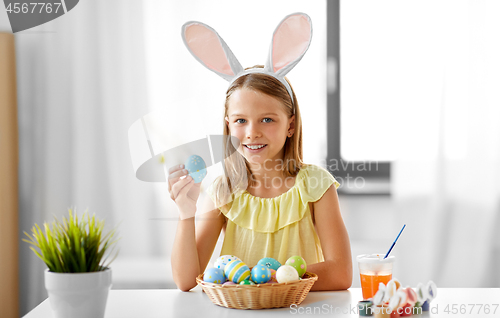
pixel 335 273
pixel 192 248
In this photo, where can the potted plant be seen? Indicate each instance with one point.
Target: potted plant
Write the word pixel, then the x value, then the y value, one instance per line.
pixel 75 251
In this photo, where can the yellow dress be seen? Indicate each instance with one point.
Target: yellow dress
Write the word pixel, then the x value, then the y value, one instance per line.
pixel 278 227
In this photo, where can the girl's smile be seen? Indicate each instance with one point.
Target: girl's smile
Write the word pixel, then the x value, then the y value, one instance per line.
pixel 254 148
pixel 260 123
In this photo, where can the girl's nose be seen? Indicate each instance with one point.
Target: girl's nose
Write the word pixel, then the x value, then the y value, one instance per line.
pixel 253 132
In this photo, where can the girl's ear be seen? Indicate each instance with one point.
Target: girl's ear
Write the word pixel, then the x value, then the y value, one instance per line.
pixel 291 124
pixel 291 39
pixel 210 49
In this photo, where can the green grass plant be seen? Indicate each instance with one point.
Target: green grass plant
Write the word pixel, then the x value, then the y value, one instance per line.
pixel 73 245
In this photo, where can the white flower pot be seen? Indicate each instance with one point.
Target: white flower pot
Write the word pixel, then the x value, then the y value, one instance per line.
pixel 78 295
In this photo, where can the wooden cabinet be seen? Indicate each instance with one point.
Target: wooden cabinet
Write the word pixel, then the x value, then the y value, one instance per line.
pixel 9 238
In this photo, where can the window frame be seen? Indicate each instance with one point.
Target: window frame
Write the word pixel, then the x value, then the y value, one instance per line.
pixel 376 180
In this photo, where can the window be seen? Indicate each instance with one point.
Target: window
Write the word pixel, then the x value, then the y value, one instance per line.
pixel 360 172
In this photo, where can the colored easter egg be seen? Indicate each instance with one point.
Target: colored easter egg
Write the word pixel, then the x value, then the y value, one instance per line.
pixel 247 282
pixel 229 283
pixel 222 261
pixel 298 263
pixel 196 167
pixel 421 294
pixel 431 290
pixel 394 281
pixel 237 271
pixel 269 262
pixel 287 274
pixel 261 274
pixel 214 275
pixel 412 296
pixel 403 296
pixel 425 305
pixel 394 302
pixel 392 287
pixel 378 299
pixel 273 279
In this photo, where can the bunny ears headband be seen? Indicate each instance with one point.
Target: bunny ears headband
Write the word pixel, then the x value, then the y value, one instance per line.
pixel 291 39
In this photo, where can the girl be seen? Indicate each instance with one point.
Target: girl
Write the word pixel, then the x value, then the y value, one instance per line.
pixel 289 208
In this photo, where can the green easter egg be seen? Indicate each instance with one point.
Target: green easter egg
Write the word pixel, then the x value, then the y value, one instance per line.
pixel 247 282
pixel 298 263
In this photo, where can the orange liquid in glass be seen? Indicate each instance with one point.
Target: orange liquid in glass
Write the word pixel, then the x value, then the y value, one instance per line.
pixel 369 284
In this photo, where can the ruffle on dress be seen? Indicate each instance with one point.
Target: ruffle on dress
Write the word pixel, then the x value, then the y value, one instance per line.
pixel 268 215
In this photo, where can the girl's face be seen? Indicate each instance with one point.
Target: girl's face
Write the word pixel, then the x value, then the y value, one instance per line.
pixel 260 122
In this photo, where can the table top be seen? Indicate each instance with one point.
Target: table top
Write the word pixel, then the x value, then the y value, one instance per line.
pixel 149 303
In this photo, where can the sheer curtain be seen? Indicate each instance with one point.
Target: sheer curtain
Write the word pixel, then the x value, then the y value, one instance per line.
pixel 448 191
pixel 81 83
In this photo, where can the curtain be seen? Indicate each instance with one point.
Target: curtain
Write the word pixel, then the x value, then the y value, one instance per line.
pixel 448 192
pixel 81 83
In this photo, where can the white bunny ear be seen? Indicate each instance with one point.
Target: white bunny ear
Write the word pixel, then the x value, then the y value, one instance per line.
pixel 210 49
pixel 291 40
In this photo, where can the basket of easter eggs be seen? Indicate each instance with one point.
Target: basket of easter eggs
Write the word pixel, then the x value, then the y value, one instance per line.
pixel 232 284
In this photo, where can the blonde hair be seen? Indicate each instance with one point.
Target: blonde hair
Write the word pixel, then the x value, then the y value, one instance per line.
pixel 226 187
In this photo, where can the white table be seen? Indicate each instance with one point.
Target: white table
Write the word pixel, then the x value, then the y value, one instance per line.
pixel 164 303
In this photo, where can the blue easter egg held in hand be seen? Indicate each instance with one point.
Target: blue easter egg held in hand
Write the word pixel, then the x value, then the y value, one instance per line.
pixel 196 167
pixel 270 263
pixel 214 275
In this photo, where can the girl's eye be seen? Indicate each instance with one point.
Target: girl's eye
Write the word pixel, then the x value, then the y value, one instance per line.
pixel 242 121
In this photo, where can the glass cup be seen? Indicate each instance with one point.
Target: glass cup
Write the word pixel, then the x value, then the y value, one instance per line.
pixel 373 270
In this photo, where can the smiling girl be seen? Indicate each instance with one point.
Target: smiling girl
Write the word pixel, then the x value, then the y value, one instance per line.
pixel 288 208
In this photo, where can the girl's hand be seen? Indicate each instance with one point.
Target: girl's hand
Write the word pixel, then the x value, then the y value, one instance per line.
pixel 183 191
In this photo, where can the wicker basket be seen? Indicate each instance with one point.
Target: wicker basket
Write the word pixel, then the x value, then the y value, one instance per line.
pixel 258 296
